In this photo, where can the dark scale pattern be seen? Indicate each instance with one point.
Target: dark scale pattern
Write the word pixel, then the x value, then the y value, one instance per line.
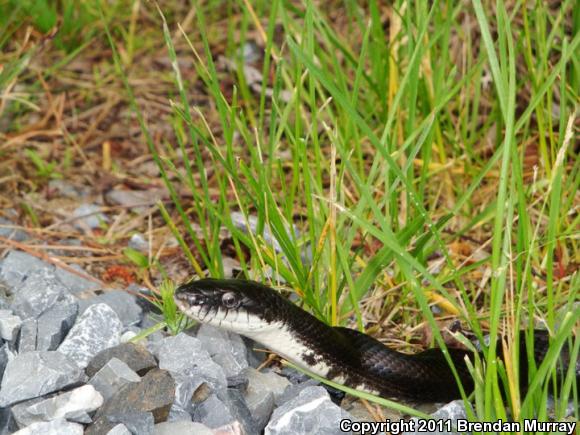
pixel 356 357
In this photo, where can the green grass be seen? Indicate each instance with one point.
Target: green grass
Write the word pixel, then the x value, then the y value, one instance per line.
pixel 405 138
pixel 69 20
pixel 394 96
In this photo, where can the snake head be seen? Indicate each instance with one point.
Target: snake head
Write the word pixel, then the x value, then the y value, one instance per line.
pixel 228 303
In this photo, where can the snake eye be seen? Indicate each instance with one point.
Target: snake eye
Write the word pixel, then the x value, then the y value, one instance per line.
pixel 230 300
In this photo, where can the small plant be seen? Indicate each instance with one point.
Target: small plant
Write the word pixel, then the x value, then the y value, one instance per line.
pixel 44 169
pixel 137 258
pixel 172 318
pixel 71 18
pixel 175 320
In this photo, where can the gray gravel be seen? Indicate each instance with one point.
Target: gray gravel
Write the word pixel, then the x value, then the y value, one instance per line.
pixel 261 393
pixel 311 411
pixel 121 302
pixel 89 216
pixel 75 283
pixel 96 329
pixel 226 349
pixel 181 428
pixel 74 405
pixel 119 429
pixel 17 265
pixel 55 427
pixel 35 374
pixel 9 325
pixel 5 356
pixel 65 370
pixel 38 291
pixel 191 366
pixel 137 357
pixel 55 323
pixel 28 336
pixel 112 376
pixel 7 232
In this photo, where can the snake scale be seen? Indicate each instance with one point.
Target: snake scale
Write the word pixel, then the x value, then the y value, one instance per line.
pixel 342 355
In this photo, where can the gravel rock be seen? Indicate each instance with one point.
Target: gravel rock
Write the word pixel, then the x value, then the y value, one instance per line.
pixel 27 338
pixel 215 412
pixel 73 405
pixel 452 411
pixel 155 393
pixel 191 367
pixel 122 302
pixel 250 52
pixel 101 426
pixel 61 250
pixel 35 374
pixel 255 358
pixel 119 429
pixel 75 283
pixel 38 292
pixel 137 422
pixel 55 323
pixel 4 304
pixel 138 242
pixel 137 357
pixel 67 189
pixel 155 338
pixel 55 427
pixel 311 411
pixel 96 329
pixel 234 428
pixel 7 423
pixel 88 216
pixel 360 412
pixel 294 390
pixel 225 348
pixel 11 233
pixel 300 381
pixel 237 405
pixel 112 377
pixel 294 376
pixel 9 325
pixel 136 199
pixel 130 334
pixel 181 428
pixel 36 282
pixel 176 413
pixel 262 391
pixel 4 358
pixel 239 382
pixel 17 265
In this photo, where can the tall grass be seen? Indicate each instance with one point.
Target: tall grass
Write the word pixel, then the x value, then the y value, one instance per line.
pixel 386 141
pixel 70 21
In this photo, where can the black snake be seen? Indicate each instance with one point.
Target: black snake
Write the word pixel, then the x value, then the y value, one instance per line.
pixel 339 354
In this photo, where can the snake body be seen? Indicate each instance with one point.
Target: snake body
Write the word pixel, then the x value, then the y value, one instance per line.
pixel 339 354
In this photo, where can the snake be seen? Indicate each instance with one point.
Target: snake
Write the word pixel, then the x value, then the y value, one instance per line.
pixel 342 355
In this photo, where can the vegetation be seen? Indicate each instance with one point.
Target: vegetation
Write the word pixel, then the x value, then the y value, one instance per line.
pixel 407 163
